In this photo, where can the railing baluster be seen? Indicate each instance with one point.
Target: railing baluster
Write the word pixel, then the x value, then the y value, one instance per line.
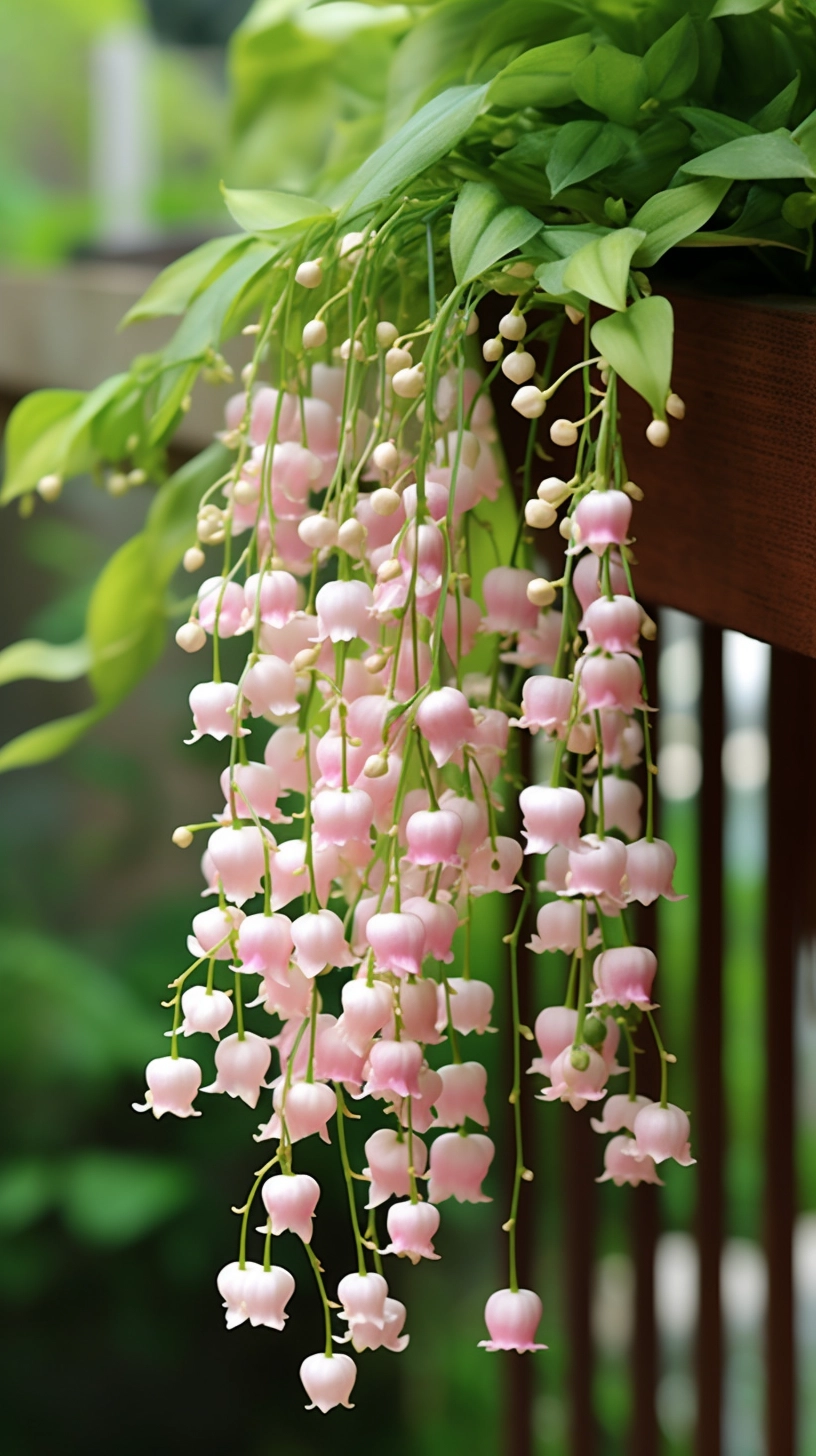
pixel 709 1102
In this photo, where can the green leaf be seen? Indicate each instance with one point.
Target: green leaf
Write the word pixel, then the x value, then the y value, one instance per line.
pixel 612 82
pixel 48 740
pixel 476 206
pixel 713 128
pixel 420 143
pixel 125 622
pixel 670 65
pixel 541 76
pixel 799 210
pixel 670 216
pixel 768 154
pixel 564 241
pixel 44 660
pixel 638 345
pixel 38 437
pixel 176 287
pixel 114 1198
pixel 271 212
pixel 171 520
pixel 483 235
pixel 738 7
pixel 600 271
pixel 777 113
pixel 583 149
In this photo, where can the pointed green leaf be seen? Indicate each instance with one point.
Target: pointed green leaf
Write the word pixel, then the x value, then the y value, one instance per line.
pixel 271 212
pixel 541 76
pixel 476 206
pixel 48 740
pixel 769 154
pixel 777 113
pixel 670 216
pixel 583 149
pixel 176 287
pixel 509 229
pixel 738 7
pixel 37 438
pixel 671 63
pixel 600 271
pixel 713 128
pixel 638 345
pixel 47 661
pixel 612 82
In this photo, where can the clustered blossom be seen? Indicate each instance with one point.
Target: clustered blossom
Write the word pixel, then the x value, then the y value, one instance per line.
pixel 368 767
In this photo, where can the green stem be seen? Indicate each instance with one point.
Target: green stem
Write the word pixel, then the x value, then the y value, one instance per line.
pixel 344 1158
pixel 329 1350
pixel 515 1095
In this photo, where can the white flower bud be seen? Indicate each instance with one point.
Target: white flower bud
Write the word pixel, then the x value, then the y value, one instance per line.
pixel 246 375
pixel 657 433
pixel 397 359
pixel 633 490
pixel 49 487
pixel 375 662
pixel 540 592
pixel 137 477
pixel 387 333
pixel 520 270
pixel 244 492
pixel 384 501
pixel 116 483
pixel 648 627
pixel 191 636
pixel 305 659
pixel 492 350
pixel 350 244
pixel 539 514
pixel 351 535
pixel 676 407
pixel 250 329
pixel 309 274
pixel 529 401
pixel 389 570
pixel 574 315
pixel 318 532
pixel 513 326
pixel 553 490
pixel 182 837
pixel 347 348
pixel 376 766
pixel 314 334
pixel 472 325
pixel 565 528
pixel 386 456
pixel 519 366
pixel 193 558
pixel 563 432
pixel 408 383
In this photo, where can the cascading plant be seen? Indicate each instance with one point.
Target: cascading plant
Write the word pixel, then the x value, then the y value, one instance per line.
pixel 361 541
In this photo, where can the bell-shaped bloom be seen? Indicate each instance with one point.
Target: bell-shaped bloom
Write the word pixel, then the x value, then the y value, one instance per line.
pixel 387 1166
pixel 328 1380
pixel 577 1085
pixel 445 719
pixel 278 591
pixel 257 1294
pixel 460 623
pixel 290 1200
pixel 598 874
pixel 661 1133
pixel 539 647
pixel 414 666
pixel 366 717
pixel 417 1003
pixel 363 1299
pixel 257 788
pixel 620 1167
pixel 505 594
pixel 611 681
pixel 622 740
pixel 489 740
pixel 558 927
pixel 344 611
pixel 554 1030
pixel 320 942
pixel 421 1108
pixel 459 1166
pixel 330 753
pixel 290 873
pixel 624 976
pixel 411 1229
pixel 238 857
pixel 213 706
pixel 464 1085
pixel 473 815
pixel 495 869
pixel 551 816
pixel 212 928
pixel 649 870
pixel 512 1317
pixel 440 920
pixel 546 703
pixel 602 519
pixel 586 579
pixel 286 754
pixel 269 686
pixel 398 942
pixel 307 1108
pixel 366 1010
pixel 471 1005
pixel 368 1335
pixel 205 1011
pixel 609 1046
pixel 394 1067
pixel 265 945
pixel 622 804
pixel 339 815
pixel 335 1060
pixel 172 1086
pixel 433 837
pixel 556 870
pixel 287 995
pixel 222 602
pixel 619 1113
pixel 241 1063
pixel 614 625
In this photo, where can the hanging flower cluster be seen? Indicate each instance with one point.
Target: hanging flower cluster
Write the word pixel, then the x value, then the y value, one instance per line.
pixel 394 669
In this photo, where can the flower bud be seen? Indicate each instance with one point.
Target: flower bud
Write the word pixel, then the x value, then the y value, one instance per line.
pixel 349 347
pixel 375 766
pixel 633 490
pixel 387 334
pixel 389 570
pixel 648 628
pixel 676 407
pixel 386 456
pixel 513 326
pixel 49 487
pixel 116 484
pixel 565 528
pixel 520 270
pixel 518 366
pixel 579 1059
pixel 302 661
pixel 540 592
pixel 244 493
pixel 182 837
pixel 408 383
pixel 384 502
pixel 317 532
pixel 136 477
pixel 574 315
pixel 529 402
pixel 472 324
pixel 193 558
pixel 351 535
pixel 397 359
pixel 314 334
pixel 493 349
pixel 553 490
pixel 350 244
pixel 309 274
pixel 563 432
pixel 657 433
pixel 191 636
pixel 375 663
pixel 539 514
